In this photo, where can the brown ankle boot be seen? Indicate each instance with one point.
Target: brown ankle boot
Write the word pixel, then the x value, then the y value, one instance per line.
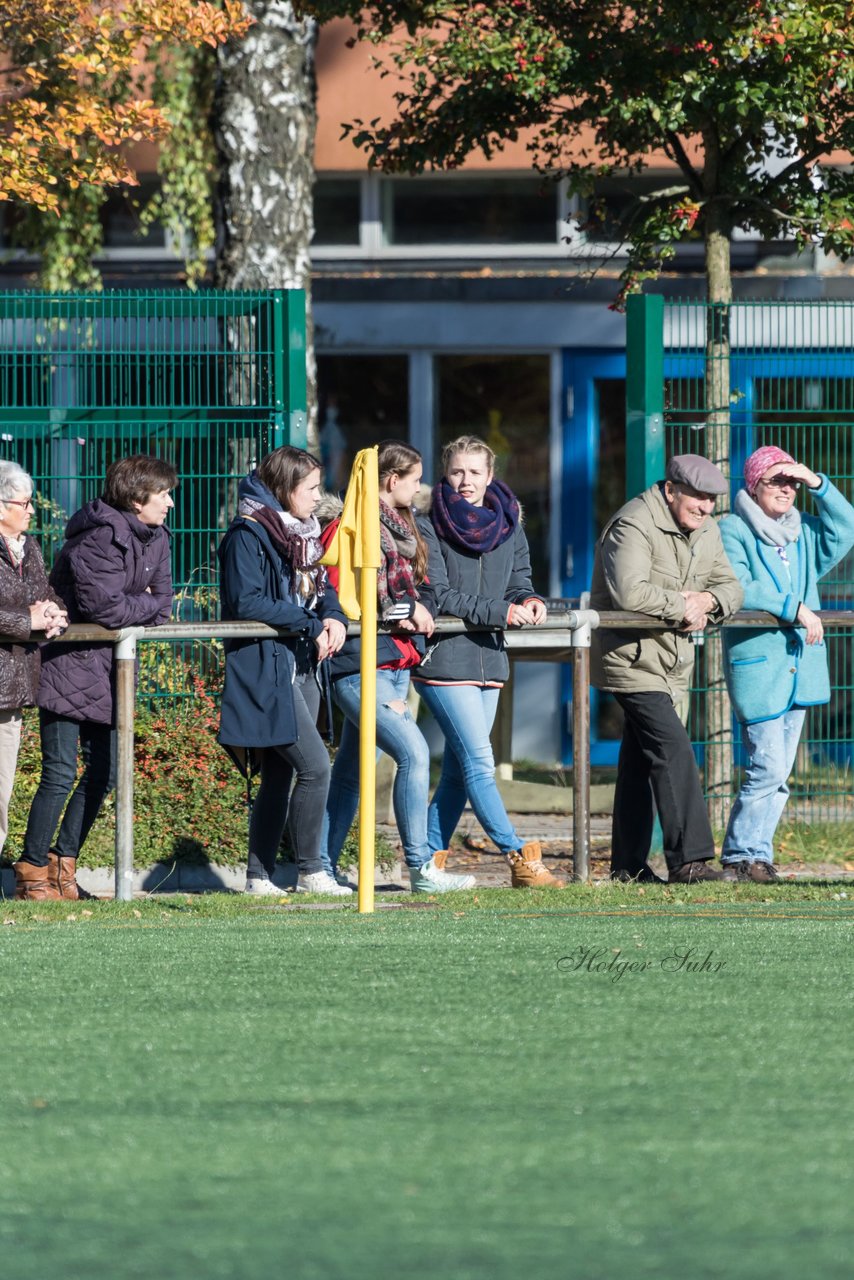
pixel 62 876
pixel 527 870
pixel 32 883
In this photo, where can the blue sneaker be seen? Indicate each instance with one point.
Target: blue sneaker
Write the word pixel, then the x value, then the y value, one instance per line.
pixel 431 877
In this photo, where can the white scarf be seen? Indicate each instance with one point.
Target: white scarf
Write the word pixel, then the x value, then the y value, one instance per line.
pixel 773 532
pixel 17 547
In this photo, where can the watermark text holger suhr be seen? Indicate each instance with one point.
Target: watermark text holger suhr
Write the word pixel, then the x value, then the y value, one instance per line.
pixel 612 962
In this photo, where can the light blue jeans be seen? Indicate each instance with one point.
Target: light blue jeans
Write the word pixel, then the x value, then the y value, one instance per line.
pixel 399 736
pixel 771 746
pixel 465 713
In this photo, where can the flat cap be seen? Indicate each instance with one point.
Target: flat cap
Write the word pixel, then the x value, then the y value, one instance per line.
pixel 697 472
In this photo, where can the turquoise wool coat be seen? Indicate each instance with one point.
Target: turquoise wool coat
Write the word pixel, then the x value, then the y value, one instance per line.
pixel 768 671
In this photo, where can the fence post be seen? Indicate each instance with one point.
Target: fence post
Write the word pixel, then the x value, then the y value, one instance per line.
pixel 580 642
pixel 289 355
pixel 125 661
pixel 644 392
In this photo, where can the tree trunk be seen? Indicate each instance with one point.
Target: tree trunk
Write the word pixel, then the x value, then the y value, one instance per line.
pixel 265 117
pixel 719 755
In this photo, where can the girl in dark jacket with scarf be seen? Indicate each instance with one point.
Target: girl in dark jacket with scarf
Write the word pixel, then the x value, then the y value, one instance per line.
pixel 405 617
pixel 480 570
pixel 269 572
pixel 113 570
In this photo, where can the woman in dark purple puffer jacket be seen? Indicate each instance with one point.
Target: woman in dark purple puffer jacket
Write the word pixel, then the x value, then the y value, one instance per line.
pixel 113 570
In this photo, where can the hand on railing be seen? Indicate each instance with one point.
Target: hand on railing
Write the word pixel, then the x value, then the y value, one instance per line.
pixel 812 622
pixel 336 634
pixel 49 617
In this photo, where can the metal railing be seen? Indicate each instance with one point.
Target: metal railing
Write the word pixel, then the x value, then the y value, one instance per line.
pixel 564 636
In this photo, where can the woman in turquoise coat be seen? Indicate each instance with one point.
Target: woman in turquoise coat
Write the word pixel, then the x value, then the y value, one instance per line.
pixel 773 675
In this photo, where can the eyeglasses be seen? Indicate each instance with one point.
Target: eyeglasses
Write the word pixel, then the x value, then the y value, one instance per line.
pixel 19 502
pixel 781 482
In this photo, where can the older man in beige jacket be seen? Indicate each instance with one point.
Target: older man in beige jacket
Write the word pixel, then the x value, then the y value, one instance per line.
pixel 661 554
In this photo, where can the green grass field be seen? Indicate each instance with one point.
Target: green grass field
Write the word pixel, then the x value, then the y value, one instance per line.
pixel 208 1088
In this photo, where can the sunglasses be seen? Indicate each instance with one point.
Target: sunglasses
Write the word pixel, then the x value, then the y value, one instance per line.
pixel 781 482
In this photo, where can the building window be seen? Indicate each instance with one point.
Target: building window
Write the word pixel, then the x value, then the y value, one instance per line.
pixel 336 211
pixel 120 216
pixel 361 400
pixel 504 399
pixel 477 211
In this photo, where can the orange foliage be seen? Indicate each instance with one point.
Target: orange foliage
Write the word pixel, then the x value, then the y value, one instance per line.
pixel 69 85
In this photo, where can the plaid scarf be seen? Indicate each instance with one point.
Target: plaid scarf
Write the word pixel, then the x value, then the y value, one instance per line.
pixel 476 529
pixel 395 579
pixel 298 543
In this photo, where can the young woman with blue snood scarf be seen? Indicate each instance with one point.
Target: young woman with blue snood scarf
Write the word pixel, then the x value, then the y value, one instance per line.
pixel 773 675
pixel 480 570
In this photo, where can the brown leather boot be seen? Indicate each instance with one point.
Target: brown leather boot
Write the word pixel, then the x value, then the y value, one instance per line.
pixel 527 870
pixel 62 876
pixel 32 883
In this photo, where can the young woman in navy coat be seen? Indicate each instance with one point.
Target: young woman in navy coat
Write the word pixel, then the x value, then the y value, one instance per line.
pixel 269 572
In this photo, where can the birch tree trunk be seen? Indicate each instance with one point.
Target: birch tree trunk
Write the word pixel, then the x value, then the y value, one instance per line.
pixel 265 117
pixel 719 755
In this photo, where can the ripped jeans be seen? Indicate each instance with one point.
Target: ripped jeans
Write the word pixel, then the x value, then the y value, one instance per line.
pixel 399 736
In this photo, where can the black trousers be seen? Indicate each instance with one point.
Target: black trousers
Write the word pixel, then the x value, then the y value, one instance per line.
pixel 656 760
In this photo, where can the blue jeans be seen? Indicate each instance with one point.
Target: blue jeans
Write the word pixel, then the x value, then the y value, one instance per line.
pixel 465 713
pixel 399 736
pixel 771 746
pixel 60 738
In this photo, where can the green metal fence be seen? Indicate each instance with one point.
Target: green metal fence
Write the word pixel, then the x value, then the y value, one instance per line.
pixel 781 373
pixel 211 381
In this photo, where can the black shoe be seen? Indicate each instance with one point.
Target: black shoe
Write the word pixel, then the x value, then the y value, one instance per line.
pixel 646 875
pixel 759 871
pixel 693 872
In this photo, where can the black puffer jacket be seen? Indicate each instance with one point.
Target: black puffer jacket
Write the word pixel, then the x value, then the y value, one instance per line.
pixel 112 570
pixel 479 589
pixel 19 662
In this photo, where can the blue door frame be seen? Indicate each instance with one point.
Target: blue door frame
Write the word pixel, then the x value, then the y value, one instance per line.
pixel 582 369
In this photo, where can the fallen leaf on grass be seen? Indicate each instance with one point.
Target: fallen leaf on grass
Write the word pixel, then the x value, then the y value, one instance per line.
pixel 70 919
pixel 138 914
pixel 86 913
pixel 8 920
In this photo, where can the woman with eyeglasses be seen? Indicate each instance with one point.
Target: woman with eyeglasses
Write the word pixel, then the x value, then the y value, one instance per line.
pixel 27 605
pixel 773 674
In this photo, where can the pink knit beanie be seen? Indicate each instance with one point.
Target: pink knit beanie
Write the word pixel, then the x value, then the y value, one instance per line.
pixel 759 462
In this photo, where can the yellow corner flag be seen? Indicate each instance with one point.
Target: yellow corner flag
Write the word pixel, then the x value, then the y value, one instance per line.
pixel 356 546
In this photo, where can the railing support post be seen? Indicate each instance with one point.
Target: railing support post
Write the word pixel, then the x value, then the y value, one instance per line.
pixel 580 641
pixel 125 661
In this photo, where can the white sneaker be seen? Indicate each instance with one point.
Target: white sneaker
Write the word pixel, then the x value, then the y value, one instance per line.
pixel 261 887
pixel 322 882
pixel 432 879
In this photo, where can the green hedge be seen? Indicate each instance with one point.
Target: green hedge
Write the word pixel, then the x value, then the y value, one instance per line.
pixel 189 799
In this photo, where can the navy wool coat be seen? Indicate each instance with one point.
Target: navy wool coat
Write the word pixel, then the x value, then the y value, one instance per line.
pixel 255 586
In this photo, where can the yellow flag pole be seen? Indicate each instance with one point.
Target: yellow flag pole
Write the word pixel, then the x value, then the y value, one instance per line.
pixel 368 741
pixel 368 525
pixel 355 549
